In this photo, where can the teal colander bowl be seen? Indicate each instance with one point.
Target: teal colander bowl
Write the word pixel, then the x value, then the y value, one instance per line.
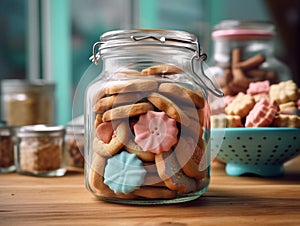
pixel 260 151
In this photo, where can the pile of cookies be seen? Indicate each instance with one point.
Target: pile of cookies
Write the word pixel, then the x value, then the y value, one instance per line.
pixel 150 137
pixel 262 105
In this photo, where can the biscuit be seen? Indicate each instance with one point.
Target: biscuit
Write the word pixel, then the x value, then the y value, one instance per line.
pixel 262 114
pixel 284 92
pixel 152 179
pixel 169 107
pixel 134 148
pixel 126 111
pixel 226 121
pixel 124 173
pixel 108 102
pixel 155 193
pixel 241 105
pixel 138 85
pixel 97 180
pixel 162 69
pixel 189 155
pixel 170 171
pixel 259 87
pixel 282 120
pixel 288 108
pixel 155 132
pixel 119 138
pixel 182 93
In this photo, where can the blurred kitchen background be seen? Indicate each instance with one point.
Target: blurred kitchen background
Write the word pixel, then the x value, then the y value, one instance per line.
pixel 53 39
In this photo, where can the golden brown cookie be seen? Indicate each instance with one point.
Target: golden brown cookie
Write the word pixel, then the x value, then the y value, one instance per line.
pixel 129 86
pixel 108 102
pixel 155 192
pixel 118 140
pixel 162 69
pixel 189 155
pixel 170 171
pixel 126 111
pixel 226 121
pixel 283 120
pixel 241 105
pixel 134 148
pixel 284 92
pixel 182 93
pixel 169 107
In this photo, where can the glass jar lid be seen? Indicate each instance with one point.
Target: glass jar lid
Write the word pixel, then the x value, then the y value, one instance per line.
pixel 21 85
pixel 164 38
pixel 40 130
pixel 243 29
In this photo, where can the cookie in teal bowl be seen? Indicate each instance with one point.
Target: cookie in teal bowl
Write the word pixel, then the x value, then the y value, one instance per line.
pixel 260 151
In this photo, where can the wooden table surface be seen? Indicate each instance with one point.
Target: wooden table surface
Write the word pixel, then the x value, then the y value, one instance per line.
pixel 246 200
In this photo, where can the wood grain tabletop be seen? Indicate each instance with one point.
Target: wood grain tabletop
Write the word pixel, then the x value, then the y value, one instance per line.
pixel 244 200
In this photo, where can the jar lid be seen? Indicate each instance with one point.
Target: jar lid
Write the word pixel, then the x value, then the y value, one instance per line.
pixel 243 29
pixel 21 85
pixel 164 38
pixel 40 130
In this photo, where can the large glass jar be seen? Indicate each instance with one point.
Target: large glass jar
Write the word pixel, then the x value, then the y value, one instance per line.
pixel 244 52
pixel 27 102
pixel 147 119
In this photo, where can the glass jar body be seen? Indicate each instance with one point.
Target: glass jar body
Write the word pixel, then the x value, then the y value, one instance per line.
pixel 39 151
pixel 74 145
pixel 244 53
pixel 147 128
pixel 27 103
pixel 7 149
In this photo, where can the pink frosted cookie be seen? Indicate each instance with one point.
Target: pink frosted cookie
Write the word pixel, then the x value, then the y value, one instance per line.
pixel 259 87
pixel 262 114
pixel 155 132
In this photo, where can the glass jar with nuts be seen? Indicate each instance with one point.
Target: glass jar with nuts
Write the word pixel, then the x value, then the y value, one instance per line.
pixel 244 52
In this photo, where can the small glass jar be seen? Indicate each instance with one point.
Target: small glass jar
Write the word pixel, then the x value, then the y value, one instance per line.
pixel 39 150
pixel 7 163
pixel 74 144
pixel 243 52
pixel 147 119
pixel 27 102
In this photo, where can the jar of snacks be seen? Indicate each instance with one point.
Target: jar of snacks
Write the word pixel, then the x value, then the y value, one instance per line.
pixel 27 102
pixel 243 52
pixel 6 149
pixel 147 118
pixel 40 150
pixel 74 143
